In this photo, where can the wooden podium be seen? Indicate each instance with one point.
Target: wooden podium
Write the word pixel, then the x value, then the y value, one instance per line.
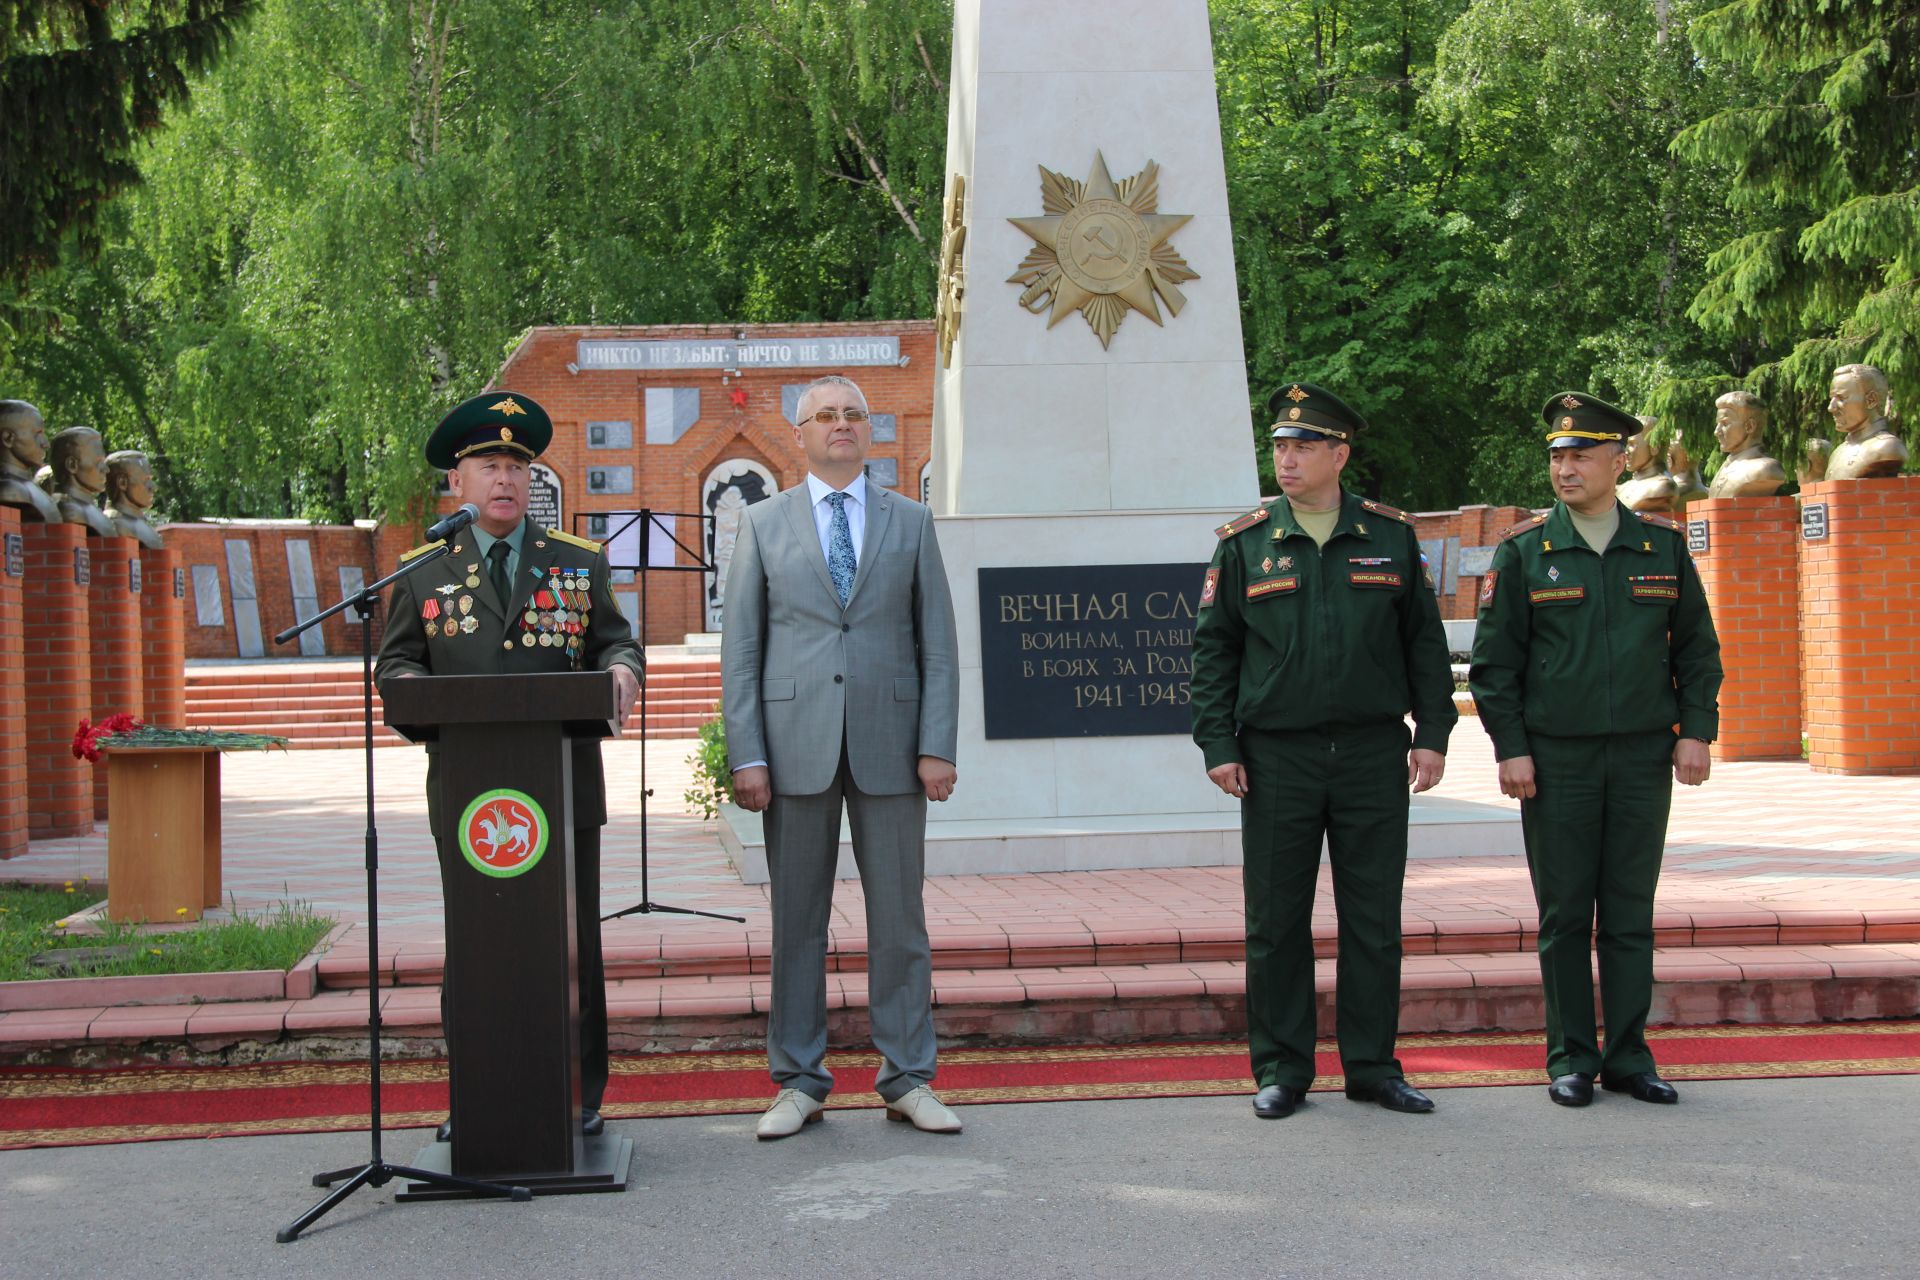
pixel 503 814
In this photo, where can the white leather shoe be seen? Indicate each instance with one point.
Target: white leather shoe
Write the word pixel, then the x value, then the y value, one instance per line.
pixel 924 1111
pixel 791 1110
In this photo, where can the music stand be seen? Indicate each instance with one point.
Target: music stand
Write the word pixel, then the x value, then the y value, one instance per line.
pixel 648 522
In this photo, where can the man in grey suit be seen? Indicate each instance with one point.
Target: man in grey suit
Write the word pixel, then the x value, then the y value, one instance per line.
pixel 840 686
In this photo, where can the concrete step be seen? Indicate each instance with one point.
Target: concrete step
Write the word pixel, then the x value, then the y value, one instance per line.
pixel 1087 1004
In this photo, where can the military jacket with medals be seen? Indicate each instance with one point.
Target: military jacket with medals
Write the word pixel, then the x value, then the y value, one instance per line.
pixel 1572 643
pixel 1291 635
pixel 446 621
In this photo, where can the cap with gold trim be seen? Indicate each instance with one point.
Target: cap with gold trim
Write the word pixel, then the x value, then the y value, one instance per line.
pixel 1302 411
pixel 1576 420
pixel 493 422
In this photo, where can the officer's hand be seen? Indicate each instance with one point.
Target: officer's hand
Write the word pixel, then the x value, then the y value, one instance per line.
pixel 626 687
pixel 1424 769
pixel 1516 778
pixel 1230 778
pixel 753 788
pixel 1692 761
pixel 937 777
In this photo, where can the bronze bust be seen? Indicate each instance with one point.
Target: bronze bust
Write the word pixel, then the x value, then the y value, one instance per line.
pixel 129 494
pixel 1867 447
pixel 23 447
pixel 1739 424
pixel 1647 487
pixel 78 474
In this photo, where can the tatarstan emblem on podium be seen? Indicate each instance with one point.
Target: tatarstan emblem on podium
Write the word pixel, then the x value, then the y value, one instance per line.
pixel 503 832
pixel 1101 248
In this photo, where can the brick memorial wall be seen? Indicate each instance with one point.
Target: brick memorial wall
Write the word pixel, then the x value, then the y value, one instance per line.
pixel 163 653
pixel 114 643
pixel 1746 553
pixel 56 634
pixel 13 687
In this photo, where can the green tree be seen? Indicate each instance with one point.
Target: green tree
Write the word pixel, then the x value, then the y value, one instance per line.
pixel 1825 169
pixel 81 83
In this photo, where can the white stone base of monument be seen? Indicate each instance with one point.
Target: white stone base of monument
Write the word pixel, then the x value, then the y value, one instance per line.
pixel 1436 828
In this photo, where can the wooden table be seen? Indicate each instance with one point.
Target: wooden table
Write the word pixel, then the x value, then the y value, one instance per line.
pixel 163 833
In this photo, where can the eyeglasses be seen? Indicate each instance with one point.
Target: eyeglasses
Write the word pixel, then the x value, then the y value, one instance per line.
pixel 827 417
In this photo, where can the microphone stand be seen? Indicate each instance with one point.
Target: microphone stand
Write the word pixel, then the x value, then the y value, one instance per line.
pixel 646 905
pixel 377 1171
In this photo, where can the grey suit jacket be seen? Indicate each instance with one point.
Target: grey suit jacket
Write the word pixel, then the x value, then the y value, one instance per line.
pixel 797 669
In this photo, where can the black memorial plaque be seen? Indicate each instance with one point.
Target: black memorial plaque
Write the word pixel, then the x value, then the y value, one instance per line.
pixel 16 556
pixel 1813 521
pixel 133 576
pixel 1699 537
pixel 179 584
pixel 82 567
pixel 1088 651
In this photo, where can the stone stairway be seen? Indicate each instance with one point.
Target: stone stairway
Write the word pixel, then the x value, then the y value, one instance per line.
pixel 319 704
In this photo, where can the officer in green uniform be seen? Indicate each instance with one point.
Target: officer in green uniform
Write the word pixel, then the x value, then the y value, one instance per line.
pixel 514 597
pixel 1593 644
pixel 1318 632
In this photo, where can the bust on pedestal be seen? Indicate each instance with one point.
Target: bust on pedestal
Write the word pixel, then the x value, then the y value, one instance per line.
pixel 1867 448
pixel 23 447
pixel 129 495
pixel 1740 421
pixel 78 475
pixel 1648 487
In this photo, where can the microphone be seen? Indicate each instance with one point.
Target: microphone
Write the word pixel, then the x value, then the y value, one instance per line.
pixel 454 523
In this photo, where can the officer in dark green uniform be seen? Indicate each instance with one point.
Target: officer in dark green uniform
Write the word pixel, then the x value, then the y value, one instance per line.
pixel 1594 643
pixel 1318 632
pixel 514 597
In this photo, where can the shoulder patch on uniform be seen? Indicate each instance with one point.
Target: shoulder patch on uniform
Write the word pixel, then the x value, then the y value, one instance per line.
pixel 1247 521
pixel 1532 523
pixel 421 550
pixel 1382 509
pixel 572 541
pixel 1665 522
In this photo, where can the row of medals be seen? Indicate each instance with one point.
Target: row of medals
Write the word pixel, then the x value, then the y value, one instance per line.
pixel 548 625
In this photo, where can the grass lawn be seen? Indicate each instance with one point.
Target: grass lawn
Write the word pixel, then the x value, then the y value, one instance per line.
pixel 276 939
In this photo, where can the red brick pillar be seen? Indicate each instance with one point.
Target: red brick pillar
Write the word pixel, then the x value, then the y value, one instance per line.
pixel 59 684
pixel 163 622
pixel 113 606
pixel 1751 572
pixel 1860 625
pixel 13 688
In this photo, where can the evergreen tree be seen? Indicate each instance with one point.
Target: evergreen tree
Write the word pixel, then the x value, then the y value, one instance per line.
pixel 1826 167
pixel 81 82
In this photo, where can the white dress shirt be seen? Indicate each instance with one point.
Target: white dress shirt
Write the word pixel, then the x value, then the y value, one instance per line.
pixel 856 504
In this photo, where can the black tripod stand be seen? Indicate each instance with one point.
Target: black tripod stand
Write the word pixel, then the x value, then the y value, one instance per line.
pixel 376 1172
pixel 648 522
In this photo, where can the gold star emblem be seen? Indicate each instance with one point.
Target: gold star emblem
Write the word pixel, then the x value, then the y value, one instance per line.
pixel 1295 394
pixel 1101 248
pixel 509 406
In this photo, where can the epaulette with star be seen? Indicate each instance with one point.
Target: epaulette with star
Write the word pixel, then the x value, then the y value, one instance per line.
pixel 1382 509
pixel 1241 523
pixel 422 549
pixel 1665 522
pixel 583 543
pixel 1533 522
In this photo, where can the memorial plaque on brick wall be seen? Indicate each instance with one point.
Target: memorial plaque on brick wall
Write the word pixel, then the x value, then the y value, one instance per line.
pixel 133 575
pixel 1699 537
pixel 1088 651
pixel 1813 521
pixel 1475 561
pixel 543 496
pixel 179 584
pixel 16 556
pixel 82 566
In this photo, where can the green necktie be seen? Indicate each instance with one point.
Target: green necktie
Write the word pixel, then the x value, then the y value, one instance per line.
pixel 497 570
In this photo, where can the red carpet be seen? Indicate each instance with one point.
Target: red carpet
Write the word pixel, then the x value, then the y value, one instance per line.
pixel 54 1106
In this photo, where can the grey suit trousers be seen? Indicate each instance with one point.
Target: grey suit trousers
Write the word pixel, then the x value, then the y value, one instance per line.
pixel 889 843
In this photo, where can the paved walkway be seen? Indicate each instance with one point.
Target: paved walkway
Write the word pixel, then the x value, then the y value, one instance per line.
pixel 1762 844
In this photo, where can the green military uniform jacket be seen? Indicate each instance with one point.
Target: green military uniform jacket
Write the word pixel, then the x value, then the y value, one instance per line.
pixel 1575 644
pixel 1295 636
pixel 446 621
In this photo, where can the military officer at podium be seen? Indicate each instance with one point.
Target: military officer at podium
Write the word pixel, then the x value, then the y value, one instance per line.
pixel 514 597
pixel 1596 672
pixel 1318 634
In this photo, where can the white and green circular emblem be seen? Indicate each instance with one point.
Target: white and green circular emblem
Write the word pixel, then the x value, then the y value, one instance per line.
pixel 503 833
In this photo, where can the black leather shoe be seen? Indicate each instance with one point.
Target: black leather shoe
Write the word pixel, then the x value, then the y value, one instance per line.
pixel 1276 1101
pixel 1645 1086
pixel 1572 1090
pixel 591 1124
pixel 1395 1095
pixel 445 1132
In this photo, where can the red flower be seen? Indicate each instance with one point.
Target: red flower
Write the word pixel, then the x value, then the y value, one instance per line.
pixel 86 738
